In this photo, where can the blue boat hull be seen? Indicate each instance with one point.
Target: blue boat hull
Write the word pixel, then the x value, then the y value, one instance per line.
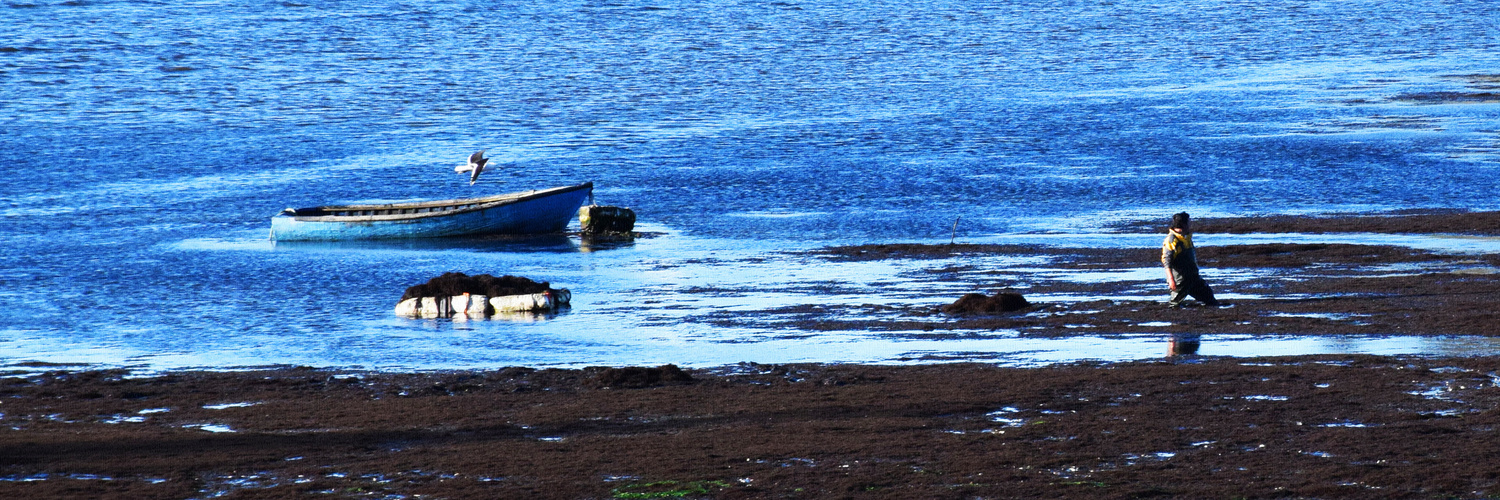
pixel 531 212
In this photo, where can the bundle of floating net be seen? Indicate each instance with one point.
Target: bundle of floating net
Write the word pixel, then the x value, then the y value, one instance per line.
pixel 481 296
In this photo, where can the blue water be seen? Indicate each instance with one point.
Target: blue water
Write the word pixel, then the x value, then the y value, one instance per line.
pixel 144 146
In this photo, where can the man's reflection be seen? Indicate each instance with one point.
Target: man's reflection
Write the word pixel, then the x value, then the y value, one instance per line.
pixel 1182 345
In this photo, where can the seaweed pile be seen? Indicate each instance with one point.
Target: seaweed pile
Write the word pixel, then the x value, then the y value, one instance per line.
pixel 638 377
pixel 454 284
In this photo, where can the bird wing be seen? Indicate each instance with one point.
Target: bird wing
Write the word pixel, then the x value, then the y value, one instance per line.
pixel 474 176
pixel 463 168
pixel 477 157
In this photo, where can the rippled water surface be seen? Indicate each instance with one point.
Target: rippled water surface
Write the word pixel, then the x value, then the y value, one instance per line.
pixel 144 146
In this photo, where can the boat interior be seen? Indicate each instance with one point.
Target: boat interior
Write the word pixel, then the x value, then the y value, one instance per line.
pixel 337 211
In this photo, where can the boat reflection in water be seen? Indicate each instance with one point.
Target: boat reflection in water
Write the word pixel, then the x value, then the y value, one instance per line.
pixel 520 243
pixel 596 243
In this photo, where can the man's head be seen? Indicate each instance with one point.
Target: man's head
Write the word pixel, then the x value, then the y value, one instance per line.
pixel 1182 222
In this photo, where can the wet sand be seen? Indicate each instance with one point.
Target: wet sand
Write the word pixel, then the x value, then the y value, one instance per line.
pixel 1184 426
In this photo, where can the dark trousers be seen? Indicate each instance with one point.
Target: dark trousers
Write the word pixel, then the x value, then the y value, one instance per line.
pixel 1191 285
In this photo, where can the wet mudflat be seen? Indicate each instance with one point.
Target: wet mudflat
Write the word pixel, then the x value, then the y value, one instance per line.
pixel 1185 425
pixel 1271 288
pixel 1307 427
pixel 1284 289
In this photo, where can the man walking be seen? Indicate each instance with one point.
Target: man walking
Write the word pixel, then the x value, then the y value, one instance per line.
pixel 1181 261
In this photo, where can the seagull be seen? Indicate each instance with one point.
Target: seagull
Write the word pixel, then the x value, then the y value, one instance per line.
pixel 474 167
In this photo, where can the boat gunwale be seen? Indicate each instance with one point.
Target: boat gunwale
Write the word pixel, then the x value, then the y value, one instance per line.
pixel 481 203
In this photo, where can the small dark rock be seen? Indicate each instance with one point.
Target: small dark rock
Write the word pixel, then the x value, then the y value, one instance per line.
pixel 604 220
pixel 978 303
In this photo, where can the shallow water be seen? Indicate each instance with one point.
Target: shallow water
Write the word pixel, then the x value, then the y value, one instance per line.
pixel 144 147
pixel 670 298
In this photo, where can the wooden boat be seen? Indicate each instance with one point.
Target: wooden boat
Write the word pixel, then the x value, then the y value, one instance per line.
pixel 526 212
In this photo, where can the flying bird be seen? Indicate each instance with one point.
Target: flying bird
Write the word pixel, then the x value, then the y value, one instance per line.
pixel 474 167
